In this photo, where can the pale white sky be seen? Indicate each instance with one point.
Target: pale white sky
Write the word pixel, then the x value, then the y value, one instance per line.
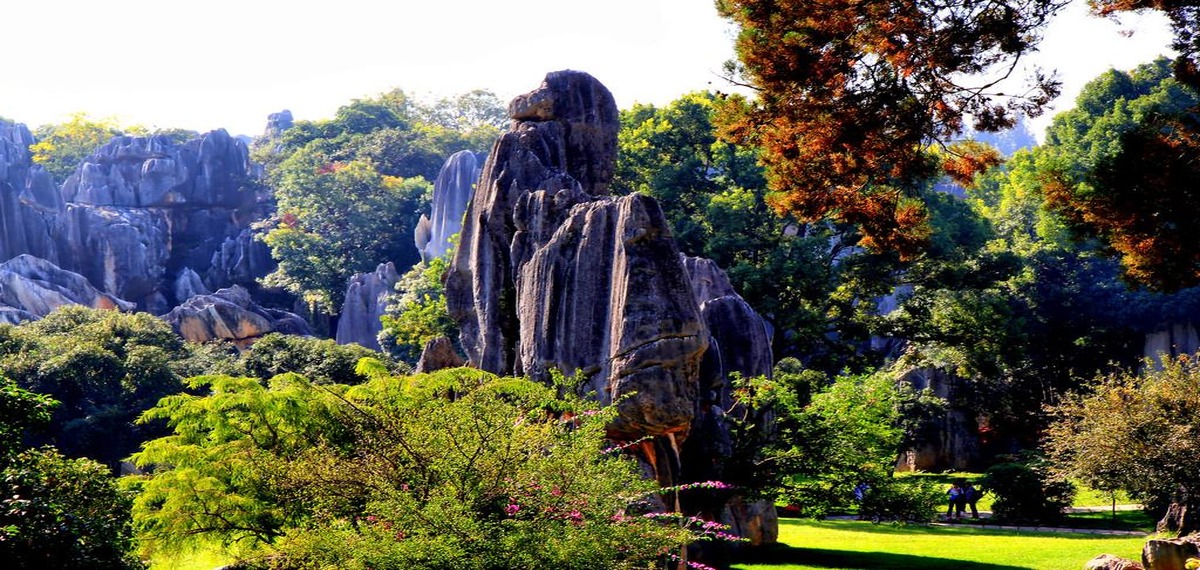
pixel 229 63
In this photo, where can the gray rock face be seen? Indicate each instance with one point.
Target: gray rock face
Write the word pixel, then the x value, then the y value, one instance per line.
pixel 366 302
pixel 1172 340
pixel 29 201
pixel 606 295
pixel 739 337
pixel 955 435
pixel 553 274
pixel 30 288
pixel 277 123
pixel 230 314
pixel 1169 554
pixel 452 191
pixel 140 210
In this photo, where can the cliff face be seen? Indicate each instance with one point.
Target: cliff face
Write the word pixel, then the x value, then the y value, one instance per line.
pixel 141 212
pixel 552 274
pixel 29 201
pixel 142 219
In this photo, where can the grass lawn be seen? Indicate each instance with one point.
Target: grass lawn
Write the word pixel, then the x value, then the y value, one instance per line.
pixel 194 560
pixel 852 545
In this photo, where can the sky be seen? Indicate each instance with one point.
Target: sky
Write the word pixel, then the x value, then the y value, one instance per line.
pixel 230 63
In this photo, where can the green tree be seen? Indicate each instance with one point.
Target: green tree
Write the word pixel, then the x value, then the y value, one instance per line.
pixel 455 469
pixel 336 219
pixel 60 148
pixel 322 361
pixel 1137 432
pixel 1125 170
pixel 418 313
pixel 63 513
pixel 832 437
pixel 104 367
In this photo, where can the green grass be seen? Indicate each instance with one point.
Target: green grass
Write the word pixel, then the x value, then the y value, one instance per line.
pixel 852 545
pixel 194 560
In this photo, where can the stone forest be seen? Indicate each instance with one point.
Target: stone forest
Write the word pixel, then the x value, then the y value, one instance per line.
pixel 847 313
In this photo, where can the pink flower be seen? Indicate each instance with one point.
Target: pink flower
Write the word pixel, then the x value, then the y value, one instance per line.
pixel 512 509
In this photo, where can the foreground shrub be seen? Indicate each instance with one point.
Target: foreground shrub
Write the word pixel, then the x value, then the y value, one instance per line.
pixel 457 469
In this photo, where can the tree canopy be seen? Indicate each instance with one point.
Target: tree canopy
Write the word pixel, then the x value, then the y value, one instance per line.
pixel 848 95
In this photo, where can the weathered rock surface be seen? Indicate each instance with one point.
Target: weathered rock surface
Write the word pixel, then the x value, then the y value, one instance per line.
pixel 29 200
pixel 553 274
pixel 30 288
pixel 452 191
pixel 953 441
pixel 438 354
pixel 140 210
pixel 366 302
pixel 1172 340
pixel 1111 562
pixel 1170 554
pixel 230 314
pixel 739 337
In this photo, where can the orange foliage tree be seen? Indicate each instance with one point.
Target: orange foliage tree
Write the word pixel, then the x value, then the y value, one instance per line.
pixel 851 93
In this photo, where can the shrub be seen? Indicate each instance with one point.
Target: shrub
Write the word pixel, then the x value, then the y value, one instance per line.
pixel 1026 492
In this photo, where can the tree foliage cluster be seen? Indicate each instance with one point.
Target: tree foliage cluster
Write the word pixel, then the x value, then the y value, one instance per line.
pixel 1137 432
pixel 458 469
pixel 849 94
pixel 349 190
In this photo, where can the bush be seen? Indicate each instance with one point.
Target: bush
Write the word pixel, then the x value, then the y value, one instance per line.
pixel 1025 492
pixel 908 500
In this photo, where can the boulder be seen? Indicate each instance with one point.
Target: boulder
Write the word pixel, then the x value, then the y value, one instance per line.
pixel 366 302
pixel 1110 562
pixel 30 288
pixel 438 354
pixel 230 314
pixel 121 251
pixel 452 191
pixel 1172 340
pixel 277 123
pixel 1170 554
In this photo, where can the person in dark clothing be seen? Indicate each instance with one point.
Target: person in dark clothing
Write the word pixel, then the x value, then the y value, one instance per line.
pixel 971 496
pixel 958 500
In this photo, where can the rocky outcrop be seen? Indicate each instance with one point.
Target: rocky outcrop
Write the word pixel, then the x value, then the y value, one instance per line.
pixel 30 288
pixel 277 123
pixel 29 200
pixel 438 354
pixel 552 274
pixel 1111 562
pixel 142 210
pixel 231 315
pixel 366 302
pixel 1170 554
pixel 952 440
pixel 452 191
pixel 741 342
pixel 1172 340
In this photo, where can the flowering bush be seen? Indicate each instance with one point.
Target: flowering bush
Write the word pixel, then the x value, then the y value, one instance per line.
pixel 457 469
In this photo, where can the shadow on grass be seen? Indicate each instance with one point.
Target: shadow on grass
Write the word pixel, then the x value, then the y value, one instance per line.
pixel 787 555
